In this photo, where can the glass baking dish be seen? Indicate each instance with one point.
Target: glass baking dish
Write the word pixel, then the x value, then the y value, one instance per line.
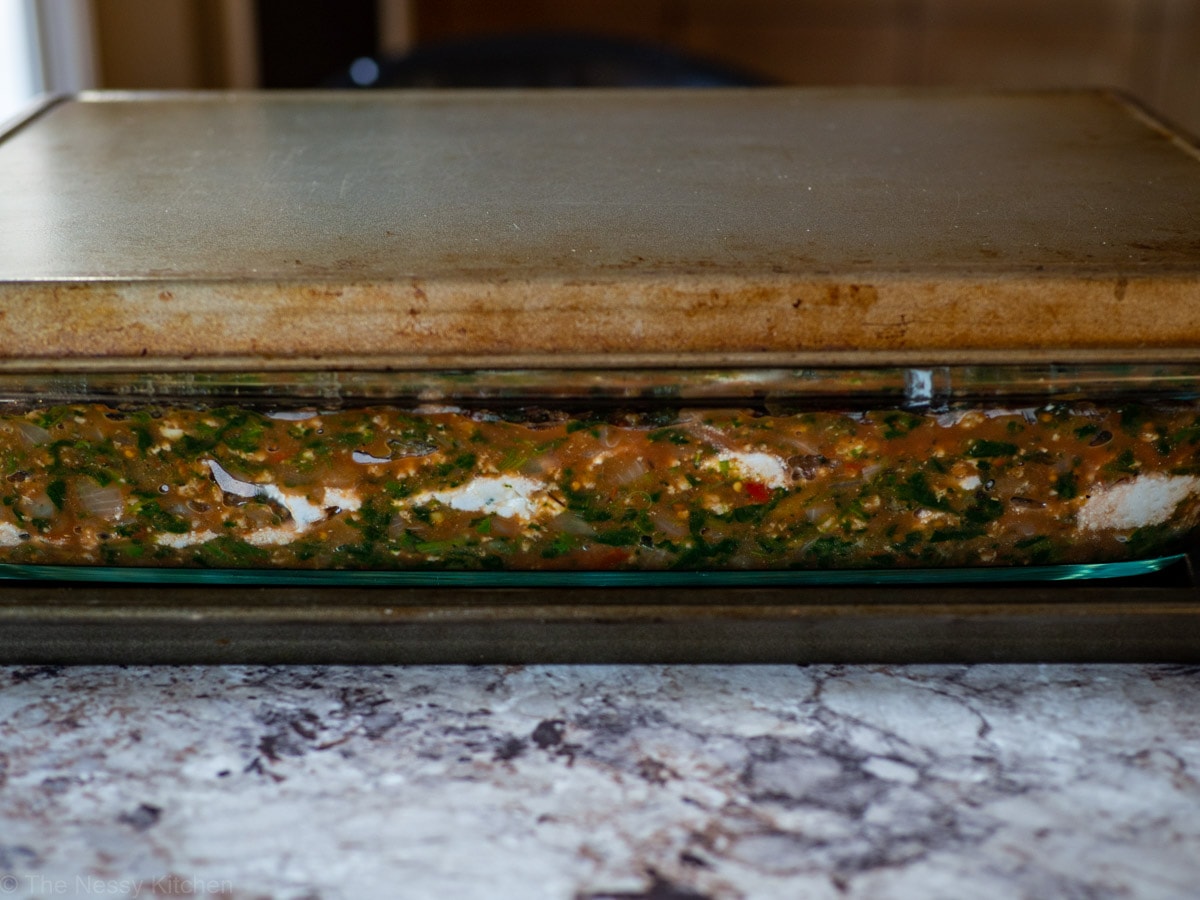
pixel 597 338
pixel 600 477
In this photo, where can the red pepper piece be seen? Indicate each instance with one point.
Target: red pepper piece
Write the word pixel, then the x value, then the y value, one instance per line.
pixel 757 492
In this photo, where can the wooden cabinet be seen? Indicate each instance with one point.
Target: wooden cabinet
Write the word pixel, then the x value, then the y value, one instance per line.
pixel 1150 48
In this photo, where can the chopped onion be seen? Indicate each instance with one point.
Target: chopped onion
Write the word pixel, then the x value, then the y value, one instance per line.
pixel 654 558
pixel 541 465
pixel 804 447
pixel 103 502
pixel 818 512
pixel 35 434
pixel 668 524
pixel 403 448
pixel 397 527
pixel 631 468
pixel 1022 528
pixel 610 436
pixel 39 506
pixel 569 523
pixel 951 418
pixel 744 559
pixel 507 527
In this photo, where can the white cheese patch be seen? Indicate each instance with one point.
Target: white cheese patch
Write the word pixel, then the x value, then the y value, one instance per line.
pixel 1146 500
pixel 180 541
pixel 228 483
pixel 10 535
pixel 956 416
pixel 273 536
pixel 599 458
pixel 765 468
pixel 303 512
pixel 367 459
pixel 969 483
pixel 506 496
pixel 1026 413
pixel 343 500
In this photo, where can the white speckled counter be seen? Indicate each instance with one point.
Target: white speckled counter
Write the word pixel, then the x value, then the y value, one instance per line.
pixel 676 783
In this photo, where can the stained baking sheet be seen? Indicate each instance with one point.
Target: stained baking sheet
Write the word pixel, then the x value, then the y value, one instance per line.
pixel 431 227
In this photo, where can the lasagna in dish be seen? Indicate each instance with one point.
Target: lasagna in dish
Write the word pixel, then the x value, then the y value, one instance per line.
pixel 720 488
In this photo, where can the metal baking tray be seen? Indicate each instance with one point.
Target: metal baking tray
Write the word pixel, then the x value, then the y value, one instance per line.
pixel 1154 619
pixel 385 230
pixel 147 239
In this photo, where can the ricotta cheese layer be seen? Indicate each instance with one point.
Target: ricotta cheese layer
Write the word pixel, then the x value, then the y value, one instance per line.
pixel 1144 501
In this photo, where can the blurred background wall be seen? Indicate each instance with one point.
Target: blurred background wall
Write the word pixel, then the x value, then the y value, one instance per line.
pixel 1148 47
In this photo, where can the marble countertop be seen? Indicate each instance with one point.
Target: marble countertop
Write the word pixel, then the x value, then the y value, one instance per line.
pixel 601 782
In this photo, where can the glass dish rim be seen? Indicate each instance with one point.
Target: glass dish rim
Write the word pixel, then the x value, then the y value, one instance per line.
pixel 434 578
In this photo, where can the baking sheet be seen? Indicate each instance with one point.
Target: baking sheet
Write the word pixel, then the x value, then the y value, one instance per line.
pixel 418 228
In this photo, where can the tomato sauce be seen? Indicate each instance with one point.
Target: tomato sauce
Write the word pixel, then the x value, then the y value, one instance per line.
pixel 390 488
